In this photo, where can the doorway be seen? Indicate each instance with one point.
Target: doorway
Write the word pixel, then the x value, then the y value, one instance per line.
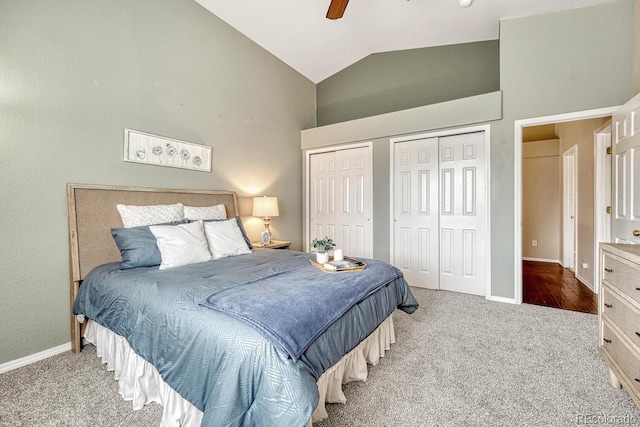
pixel 582 260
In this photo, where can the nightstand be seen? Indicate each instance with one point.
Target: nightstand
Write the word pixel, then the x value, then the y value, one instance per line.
pixel 275 244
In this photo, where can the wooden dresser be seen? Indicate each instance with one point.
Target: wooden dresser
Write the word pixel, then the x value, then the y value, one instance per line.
pixel 619 315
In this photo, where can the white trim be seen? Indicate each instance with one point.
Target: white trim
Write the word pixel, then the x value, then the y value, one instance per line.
pixel 502 299
pixel 601 140
pixel 554 261
pixel 441 133
pixel 518 125
pixel 27 360
pixel 584 281
pixel 570 183
pixel 306 244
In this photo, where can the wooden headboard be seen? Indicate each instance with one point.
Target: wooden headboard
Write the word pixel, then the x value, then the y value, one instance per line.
pixel 92 214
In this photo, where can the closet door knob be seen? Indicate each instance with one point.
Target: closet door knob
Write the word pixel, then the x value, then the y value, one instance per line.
pixel 607 305
pixel 636 233
pixel 606 340
pixel 609 270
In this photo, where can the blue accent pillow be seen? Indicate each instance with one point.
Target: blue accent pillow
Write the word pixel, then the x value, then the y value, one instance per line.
pixel 138 246
pixel 244 233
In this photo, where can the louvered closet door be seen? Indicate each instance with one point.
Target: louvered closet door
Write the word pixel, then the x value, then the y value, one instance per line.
pixel 416 211
pixel 463 213
pixel 322 195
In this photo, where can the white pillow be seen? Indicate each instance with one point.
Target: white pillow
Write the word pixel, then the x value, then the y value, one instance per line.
pixel 181 244
pixel 195 213
pixel 134 216
pixel 225 238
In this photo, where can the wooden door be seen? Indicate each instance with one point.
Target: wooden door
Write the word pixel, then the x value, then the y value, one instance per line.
pixel 626 172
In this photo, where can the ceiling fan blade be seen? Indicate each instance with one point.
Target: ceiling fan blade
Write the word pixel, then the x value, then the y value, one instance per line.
pixel 336 9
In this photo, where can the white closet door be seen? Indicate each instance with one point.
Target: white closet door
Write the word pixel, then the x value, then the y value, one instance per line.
pixel 626 172
pixel 354 202
pixel 463 213
pixel 322 195
pixel 416 211
pixel 440 212
pixel 341 199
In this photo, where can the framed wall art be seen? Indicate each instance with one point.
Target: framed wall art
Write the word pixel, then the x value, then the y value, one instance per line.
pixel 140 147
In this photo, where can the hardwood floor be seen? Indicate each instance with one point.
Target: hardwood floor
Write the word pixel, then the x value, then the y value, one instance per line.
pixel 551 285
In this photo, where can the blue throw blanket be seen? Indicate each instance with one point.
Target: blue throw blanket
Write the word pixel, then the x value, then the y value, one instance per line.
pixel 313 301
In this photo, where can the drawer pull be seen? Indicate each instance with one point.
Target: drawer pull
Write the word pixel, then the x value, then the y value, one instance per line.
pixel 609 270
pixel 608 305
pixel 637 379
pixel 606 340
pixel 638 334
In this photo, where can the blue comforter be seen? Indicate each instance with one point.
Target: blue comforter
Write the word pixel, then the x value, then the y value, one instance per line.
pixel 221 365
pixel 307 301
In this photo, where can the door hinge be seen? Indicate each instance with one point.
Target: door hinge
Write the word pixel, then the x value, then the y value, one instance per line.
pixel 609 209
pixel 608 150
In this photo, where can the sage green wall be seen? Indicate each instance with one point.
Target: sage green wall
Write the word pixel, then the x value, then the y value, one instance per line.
pixel 554 63
pixel 73 75
pixel 393 81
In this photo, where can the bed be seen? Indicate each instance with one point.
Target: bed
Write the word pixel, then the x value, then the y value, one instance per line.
pixel 190 337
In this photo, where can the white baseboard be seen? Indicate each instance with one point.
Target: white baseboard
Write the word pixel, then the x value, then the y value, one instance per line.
pixel 555 261
pixel 584 281
pixel 27 360
pixel 502 299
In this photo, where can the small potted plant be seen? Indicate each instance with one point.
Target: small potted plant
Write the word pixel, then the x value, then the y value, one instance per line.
pixel 322 247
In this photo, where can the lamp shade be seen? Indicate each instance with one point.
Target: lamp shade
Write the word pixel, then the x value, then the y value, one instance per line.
pixel 265 206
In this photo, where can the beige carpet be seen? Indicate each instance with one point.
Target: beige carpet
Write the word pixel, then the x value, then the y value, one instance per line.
pixel 459 360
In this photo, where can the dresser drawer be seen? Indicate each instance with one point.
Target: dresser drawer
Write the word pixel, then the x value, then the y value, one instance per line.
pixel 622 314
pixel 623 276
pixel 626 359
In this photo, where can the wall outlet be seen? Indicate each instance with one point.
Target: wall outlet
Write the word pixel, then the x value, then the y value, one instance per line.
pixel 534 243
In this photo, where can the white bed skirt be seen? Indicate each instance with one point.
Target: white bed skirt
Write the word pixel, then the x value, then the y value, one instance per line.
pixel 141 383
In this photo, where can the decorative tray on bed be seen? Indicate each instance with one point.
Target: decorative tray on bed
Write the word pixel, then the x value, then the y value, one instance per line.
pixel 347 264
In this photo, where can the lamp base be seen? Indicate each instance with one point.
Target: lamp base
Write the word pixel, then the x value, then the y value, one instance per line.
pixel 265 238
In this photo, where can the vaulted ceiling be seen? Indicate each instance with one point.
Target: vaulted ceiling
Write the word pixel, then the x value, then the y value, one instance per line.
pixel 297 31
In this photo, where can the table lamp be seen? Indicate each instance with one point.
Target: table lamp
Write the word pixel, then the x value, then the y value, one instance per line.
pixel 265 207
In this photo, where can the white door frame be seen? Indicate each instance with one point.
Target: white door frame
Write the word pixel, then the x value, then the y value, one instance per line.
pixel 447 132
pixel 601 195
pixel 307 158
pixel 518 125
pixel 570 204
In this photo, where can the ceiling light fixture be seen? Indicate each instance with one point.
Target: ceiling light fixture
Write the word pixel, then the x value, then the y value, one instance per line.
pixel 465 3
